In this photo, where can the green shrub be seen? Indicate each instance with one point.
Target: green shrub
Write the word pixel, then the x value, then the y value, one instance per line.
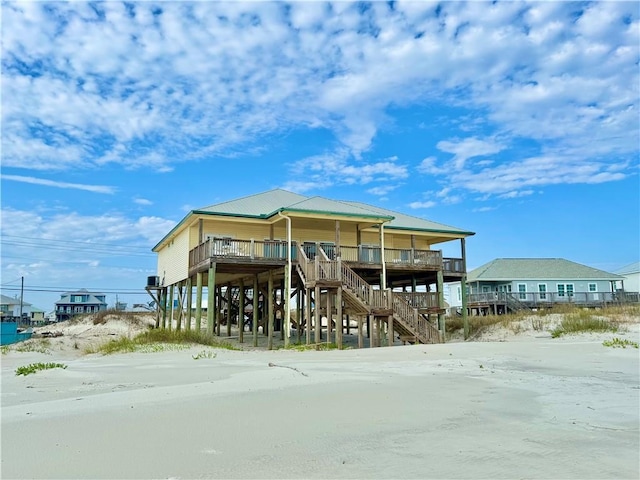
pixel 620 343
pixel 35 367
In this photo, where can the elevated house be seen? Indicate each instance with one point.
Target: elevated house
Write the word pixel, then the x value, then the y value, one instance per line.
pixel 11 308
pixel 630 282
pixel 511 284
pixel 339 259
pixel 79 302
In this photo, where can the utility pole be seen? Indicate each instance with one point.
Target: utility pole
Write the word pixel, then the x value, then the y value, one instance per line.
pixel 21 298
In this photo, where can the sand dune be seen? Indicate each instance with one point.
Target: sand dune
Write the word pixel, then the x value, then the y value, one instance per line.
pixel 533 407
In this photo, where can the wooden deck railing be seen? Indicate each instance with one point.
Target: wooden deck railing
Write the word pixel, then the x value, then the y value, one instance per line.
pixel 420 300
pixel 277 249
pixel 533 299
pixel 249 249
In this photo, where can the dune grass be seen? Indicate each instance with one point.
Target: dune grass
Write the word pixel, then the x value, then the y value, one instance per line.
pixel 582 321
pixel 159 340
pixel 576 319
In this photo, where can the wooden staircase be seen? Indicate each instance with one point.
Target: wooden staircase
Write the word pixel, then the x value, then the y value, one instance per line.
pixel 362 299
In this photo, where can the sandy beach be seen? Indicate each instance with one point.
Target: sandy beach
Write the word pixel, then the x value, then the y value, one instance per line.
pixel 530 407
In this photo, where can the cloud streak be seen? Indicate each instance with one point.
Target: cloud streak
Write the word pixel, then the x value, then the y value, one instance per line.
pixel 51 183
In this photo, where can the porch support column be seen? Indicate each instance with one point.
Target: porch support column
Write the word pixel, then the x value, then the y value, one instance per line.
pixel 371 330
pixel 329 315
pixel 241 312
pixel 360 335
pixel 180 309
pixel 189 293
pixel 440 288
pixel 299 306
pixel 198 301
pixel 211 298
pixel 463 282
pixel 383 275
pixel 254 324
pixel 229 310
pixel 171 295
pixel 316 315
pixel 307 316
pixel 339 319
pixel 271 311
pixel 218 314
pixel 165 298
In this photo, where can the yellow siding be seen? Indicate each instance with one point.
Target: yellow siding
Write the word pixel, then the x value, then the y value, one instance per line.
pixel 236 230
pixel 173 259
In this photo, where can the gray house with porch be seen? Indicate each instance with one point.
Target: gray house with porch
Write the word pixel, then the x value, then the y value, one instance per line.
pixel 510 284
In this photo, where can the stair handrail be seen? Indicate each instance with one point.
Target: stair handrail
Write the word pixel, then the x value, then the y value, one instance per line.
pixel 354 282
pixel 406 313
pixel 303 264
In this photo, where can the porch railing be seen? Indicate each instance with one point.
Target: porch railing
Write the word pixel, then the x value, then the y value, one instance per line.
pixel 420 300
pixel 277 249
pixel 546 298
pixel 250 249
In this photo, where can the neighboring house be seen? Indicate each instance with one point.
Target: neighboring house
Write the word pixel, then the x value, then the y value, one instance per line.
pixel 79 302
pixel 37 315
pixel 631 278
pixel 10 308
pixel 346 255
pixel 508 284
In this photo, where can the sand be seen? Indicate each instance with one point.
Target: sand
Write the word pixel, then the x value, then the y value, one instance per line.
pixel 529 407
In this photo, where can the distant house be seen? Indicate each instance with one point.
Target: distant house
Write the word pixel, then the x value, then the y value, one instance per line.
pixel 79 302
pixel 631 278
pixel 508 284
pixel 10 308
pixel 36 315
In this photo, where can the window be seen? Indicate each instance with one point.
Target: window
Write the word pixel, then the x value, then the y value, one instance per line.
pixel 565 289
pixel 485 289
pixel 459 291
pixel 593 287
pixel 542 290
pixel 522 291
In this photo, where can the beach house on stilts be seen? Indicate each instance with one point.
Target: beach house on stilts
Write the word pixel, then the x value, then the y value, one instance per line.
pixel 309 267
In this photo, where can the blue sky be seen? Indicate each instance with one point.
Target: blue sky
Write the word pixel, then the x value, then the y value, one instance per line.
pixel 518 121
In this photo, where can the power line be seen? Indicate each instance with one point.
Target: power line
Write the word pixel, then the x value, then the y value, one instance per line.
pixel 90 290
pixel 74 241
pixel 69 262
pixel 75 249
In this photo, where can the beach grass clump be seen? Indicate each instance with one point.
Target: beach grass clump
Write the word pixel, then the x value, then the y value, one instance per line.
pixel 302 347
pixel 160 340
pixel 36 367
pixel 620 343
pixel 583 321
pixel 40 345
pixel 479 322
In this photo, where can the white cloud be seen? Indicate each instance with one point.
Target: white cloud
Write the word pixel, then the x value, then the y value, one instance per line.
pixel 337 168
pixel 149 85
pixel 142 201
pixel 418 205
pixel 468 148
pixel 52 183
